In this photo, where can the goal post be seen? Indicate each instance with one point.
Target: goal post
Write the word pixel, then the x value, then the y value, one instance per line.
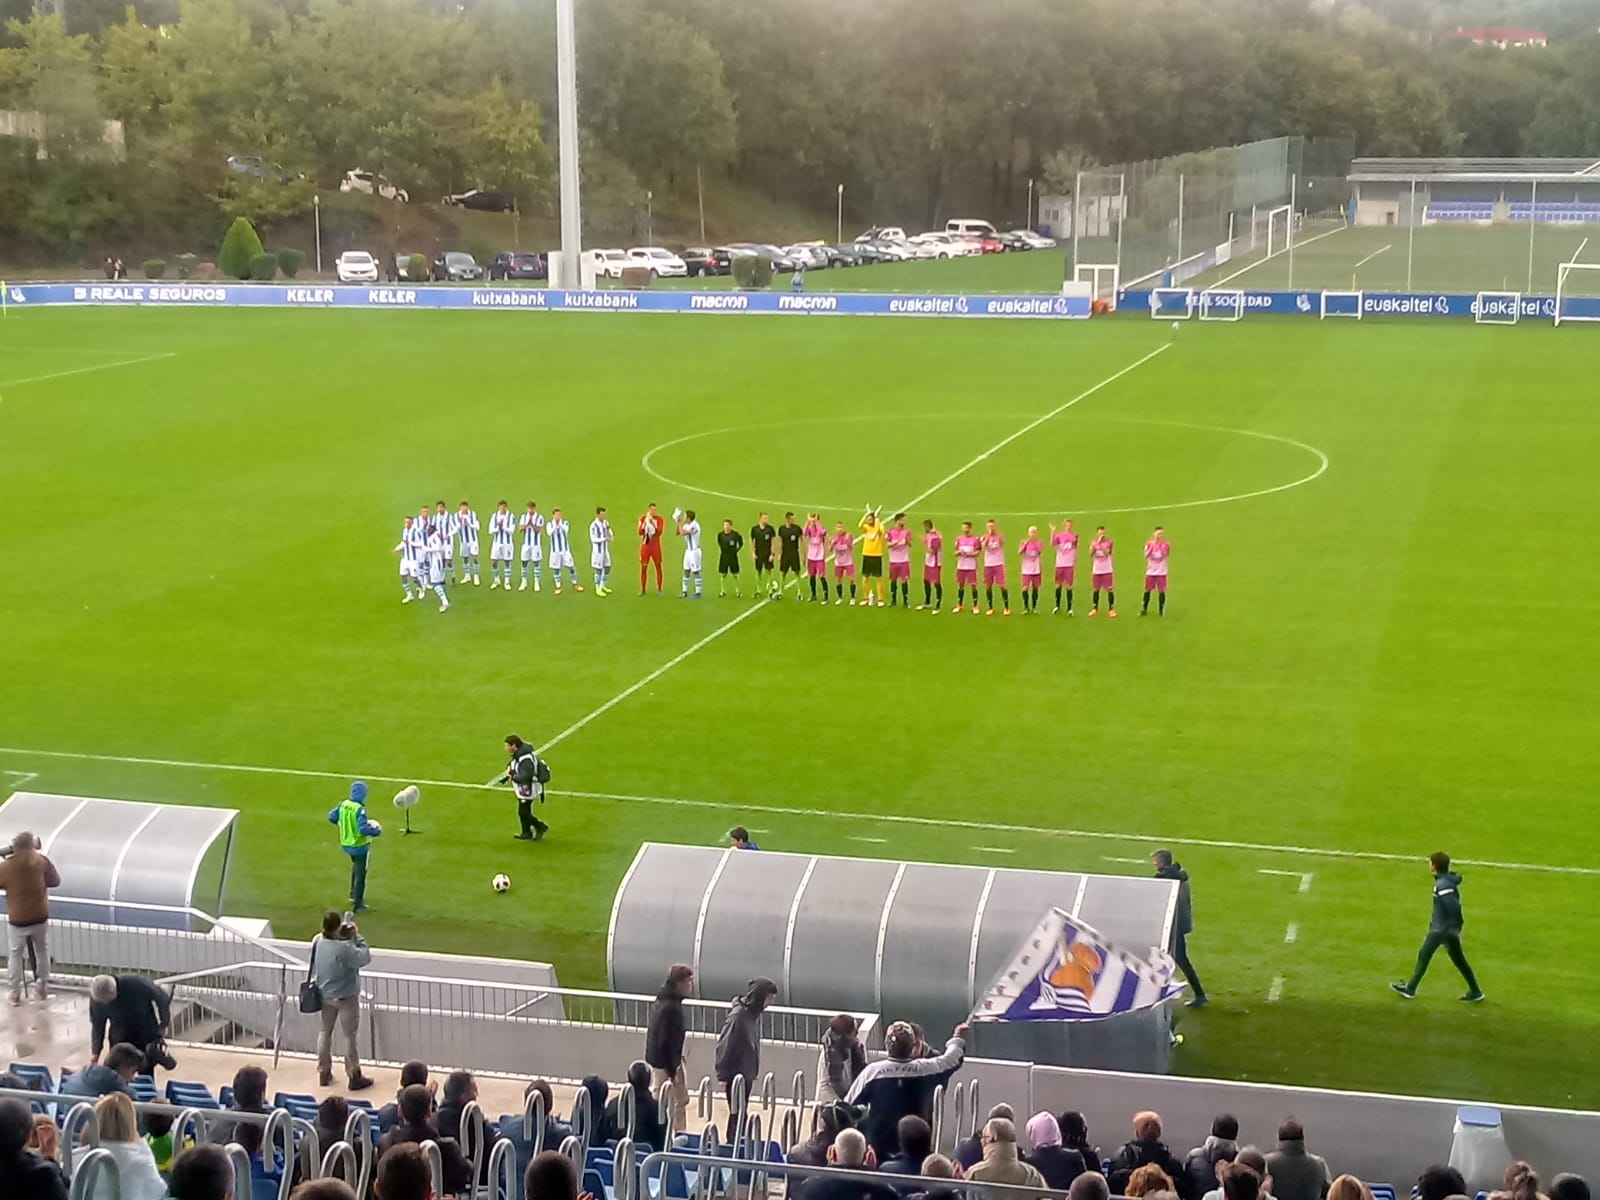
pixel 1280 229
pixel 1172 303
pixel 1105 280
pixel 1341 304
pixel 1497 308
pixel 1582 278
pixel 1220 304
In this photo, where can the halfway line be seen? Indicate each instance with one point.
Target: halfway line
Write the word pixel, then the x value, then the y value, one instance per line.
pixel 129 362
pixel 840 814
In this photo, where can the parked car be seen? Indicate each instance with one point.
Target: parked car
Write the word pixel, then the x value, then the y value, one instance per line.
pixel 1012 241
pixel 356 266
pixel 780 260
pixel 456 265
pixel 890 251
pixel 372 185
pixel 518 264
pixel 855 254
pixel 708 260
pixel 663 263
pixel 883 233
pixel 990 243
pixel 608 264
pixel 256 167
pixel 943 245
pixel 807 255
pixel 402 269
pixel 968 227
pixel 1035 241
pixel 481 201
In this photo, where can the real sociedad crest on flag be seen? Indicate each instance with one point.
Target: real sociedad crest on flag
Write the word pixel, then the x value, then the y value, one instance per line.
pixel 1066 971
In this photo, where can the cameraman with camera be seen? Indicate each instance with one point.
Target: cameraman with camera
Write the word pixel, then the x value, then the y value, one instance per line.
pixel 26 877
pixel 337 957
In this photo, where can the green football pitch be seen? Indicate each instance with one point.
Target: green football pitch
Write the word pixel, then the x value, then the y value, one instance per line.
pixel 1379 641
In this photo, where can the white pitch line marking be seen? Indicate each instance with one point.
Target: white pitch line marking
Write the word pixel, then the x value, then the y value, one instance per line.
pixel 1370 257
pixel 1291 933
pixel 1275 871
pixel 1270 257
pixel 995 849
pixel 23 778
pixel 839 814
pixel 1138 862
pixel 1275 992
pixel 129 362
pixel 872 840
pixel 1305 882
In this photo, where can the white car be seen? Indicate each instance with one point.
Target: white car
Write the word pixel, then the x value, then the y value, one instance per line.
pixel 356 266
pixel 607 264
pixel 807 254
pixel 1035 241
pixel 947 245
pixel 892 251
pixel 663 262
pixel 365 181
pixel 883 233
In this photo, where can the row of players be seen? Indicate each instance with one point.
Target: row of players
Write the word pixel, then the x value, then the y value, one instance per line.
pixel 428 541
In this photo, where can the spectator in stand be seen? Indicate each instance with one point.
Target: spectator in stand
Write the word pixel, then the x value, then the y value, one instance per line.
pixel 1001 1162
pixel 1348 1187
pixel 1091 1185
pixel 739 1046
pixel 849 1151
pixel 336 961
pixel 1252 1161
pixel 135 1011
pixel 323 1189
pixel 1239 1180
pixel 417 1126
pixel 969 1152
pixel 841 1059
pixel 646 1112
pixel 813 1152
pixel 413 1072
pixel 24 1174
pixel 555 1131
pixel 937 1166
pixel 1048 1156
pixel 403 1174
pixel 1146 1147
pixel 1075 1136
pixel 916 1143
pixel 1150 1180
pixel 1521 1183
pixel 551 1176
pixel 113 1075
pixel 1296 1173
pixel 1567 1186
pixel 249 1096
pixel 136 1166
pixel 664 1039
pixel 902 1084
pixel 202 1173
pixel 1440 1182
pixel 596 1089
pixel 45 1138
pixel 1221 1145
pixel 460 1090
pixel 26 877
pixel 332 1116
pixel 158 1136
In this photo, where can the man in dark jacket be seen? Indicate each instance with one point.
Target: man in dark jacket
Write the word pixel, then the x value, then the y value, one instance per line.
pixel 916 1143
pixel 1147 1147
pixel 663 1040
pixel 460 1090
pixel 417 1125
pixel 25 1175
pixel 522 773
pixel 1182 924
pixel 840 1060
pixel 412 1072
pixel 902 1084
pixel 739 1046
pixel 1221 1146
pixel 123 1062
pixel 1444 930
pixel 136 1011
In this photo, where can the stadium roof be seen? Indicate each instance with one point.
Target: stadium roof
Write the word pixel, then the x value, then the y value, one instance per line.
pixel 1474 170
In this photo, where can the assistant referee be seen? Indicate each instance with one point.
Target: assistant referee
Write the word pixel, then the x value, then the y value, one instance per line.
pixel 762 536
pixel 789 534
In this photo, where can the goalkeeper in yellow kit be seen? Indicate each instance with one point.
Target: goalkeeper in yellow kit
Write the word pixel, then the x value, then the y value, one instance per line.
pixel 872 558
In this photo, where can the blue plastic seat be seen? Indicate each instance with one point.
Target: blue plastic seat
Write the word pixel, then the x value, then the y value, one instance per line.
pixel 593 1184
pixel 190 1095
pixel 1382 1191
pixel 677 1183
pixel 34 1075
pixel 143 1089
pixel 298 1104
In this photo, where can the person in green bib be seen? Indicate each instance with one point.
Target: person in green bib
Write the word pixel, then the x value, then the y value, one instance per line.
pixel 356 831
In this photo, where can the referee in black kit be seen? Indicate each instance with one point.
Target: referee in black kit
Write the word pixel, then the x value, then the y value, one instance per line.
pixel 762 535
pixel 789 534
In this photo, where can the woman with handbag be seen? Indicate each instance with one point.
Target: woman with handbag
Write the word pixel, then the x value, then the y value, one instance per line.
pixel 333 989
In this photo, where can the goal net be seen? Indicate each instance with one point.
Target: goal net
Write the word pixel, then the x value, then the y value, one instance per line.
pixel 1577 292
pixel 1104 278
pixel 1497 308
pixel 1341 304
pixel 1172 303
pixel 1221 304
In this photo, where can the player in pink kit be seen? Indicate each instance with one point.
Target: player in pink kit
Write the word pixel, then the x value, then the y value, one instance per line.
pixel 1032 551
pixel 1066 543
pixel 844 563
pixel 1156 552
pixel 932 567
pixel 967 548
pixel 816 536
pixel 1104 581
pixel 994 568
pixel 898 538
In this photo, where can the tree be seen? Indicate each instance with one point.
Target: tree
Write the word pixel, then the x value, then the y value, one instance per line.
pixel 240 249
pixel 503 146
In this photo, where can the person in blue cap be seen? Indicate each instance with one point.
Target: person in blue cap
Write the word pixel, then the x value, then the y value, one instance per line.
pixel 356 831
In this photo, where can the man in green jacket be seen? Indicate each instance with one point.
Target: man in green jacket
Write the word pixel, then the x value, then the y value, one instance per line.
pixel 356 831
pixel 1444 930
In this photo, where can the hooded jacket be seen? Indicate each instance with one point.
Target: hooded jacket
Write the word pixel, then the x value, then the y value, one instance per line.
pixel 1183 916
pixel 1296 1173
pixel 739 1047
pixel 1447 917
pixel 1201 1164
pixel 840 1060
pixel 1138 1153
pixel 1001 1164
pixel 663 1040
pixel 26 878
pixel 892 1088
pixel 356 829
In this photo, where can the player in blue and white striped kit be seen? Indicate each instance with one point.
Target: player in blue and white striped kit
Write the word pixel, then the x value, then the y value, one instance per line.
pixel 532 525
pixel 561 550
pixel 689 527
pixel 436 569
pixel 502 535
pixel 600 551
pixel 445 522
pixel 412 549
pixel 466 526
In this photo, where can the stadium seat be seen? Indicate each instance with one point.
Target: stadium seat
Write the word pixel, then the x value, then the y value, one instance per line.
pixel 298 1104
pixel 143 1089
pixel 594 1184
pixel 1381 1191
pixel 35 1075
pixel 677 1183
pixel 190 1095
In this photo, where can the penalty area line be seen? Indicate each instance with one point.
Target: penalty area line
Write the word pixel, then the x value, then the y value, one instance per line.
pixel 837 814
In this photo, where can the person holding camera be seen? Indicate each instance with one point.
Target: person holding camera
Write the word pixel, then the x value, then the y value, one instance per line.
pixel 26 877
pixel 337 957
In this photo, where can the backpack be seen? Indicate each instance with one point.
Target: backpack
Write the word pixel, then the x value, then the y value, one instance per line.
pixel 541 769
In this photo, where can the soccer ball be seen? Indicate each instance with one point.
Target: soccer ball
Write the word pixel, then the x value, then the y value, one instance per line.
pixel 1174 327
pixel 501 884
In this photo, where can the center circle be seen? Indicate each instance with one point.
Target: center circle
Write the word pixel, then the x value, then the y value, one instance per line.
pixel 1137 446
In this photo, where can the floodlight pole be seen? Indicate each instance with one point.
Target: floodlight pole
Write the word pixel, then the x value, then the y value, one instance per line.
pixel 1533 223
pixel 316 215
pixel 838 235
pixel 567 144
pixel 1077 215
pixel 1294 189
pixel 1411 233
